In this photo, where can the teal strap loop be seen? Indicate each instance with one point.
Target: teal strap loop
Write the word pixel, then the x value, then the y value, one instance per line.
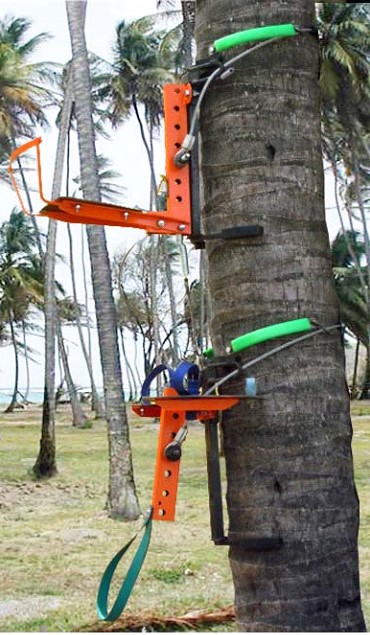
pixel 130 579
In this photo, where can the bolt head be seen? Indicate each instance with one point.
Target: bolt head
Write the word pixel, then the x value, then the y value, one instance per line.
pixel 181 228
pixel 161 223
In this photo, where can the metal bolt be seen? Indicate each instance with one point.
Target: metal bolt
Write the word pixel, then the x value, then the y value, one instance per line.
pixel 125 215
pixel 187 92
pixel 161 512
pixel 181 227
pixel 161 223
pixel 78 208
pixel 165 492
pixel 167 473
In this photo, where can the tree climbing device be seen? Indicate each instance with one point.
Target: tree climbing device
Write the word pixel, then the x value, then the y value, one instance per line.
pixel 191 392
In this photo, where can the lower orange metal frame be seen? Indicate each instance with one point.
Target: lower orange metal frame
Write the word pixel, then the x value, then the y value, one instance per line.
pixel 173 408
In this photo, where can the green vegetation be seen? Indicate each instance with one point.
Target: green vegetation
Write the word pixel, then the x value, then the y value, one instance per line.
pixel 56 538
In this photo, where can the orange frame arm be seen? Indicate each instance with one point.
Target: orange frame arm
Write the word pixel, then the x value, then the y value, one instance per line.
pixel 176 219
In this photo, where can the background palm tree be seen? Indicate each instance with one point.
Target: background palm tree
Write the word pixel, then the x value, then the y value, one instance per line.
pixel 20 280
pixel 122 501
pixel 23 92
pixel 345 87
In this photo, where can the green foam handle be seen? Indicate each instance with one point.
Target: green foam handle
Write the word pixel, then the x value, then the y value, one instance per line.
pixel 252 35
pixel 266 333
pixel 270 332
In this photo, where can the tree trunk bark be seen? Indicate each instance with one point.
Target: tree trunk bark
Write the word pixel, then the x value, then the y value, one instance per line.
pixel 122 500
pixel 45 465
pixel 78 416
pixel 288 454
pixel 98 406
pixel 13 401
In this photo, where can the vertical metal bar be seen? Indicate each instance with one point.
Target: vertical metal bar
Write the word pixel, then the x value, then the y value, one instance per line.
pixel 195 237
pixel 166 475
pixel 214 482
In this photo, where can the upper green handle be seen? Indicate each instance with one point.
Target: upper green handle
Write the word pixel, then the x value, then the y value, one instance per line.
pixel 252 35
pixel 269 333
pixel 266 333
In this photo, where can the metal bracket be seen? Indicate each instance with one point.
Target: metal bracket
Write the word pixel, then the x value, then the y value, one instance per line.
pixel 176 219
pixel 174 410
pixel 252 543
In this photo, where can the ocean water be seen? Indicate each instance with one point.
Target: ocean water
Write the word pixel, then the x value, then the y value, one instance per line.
pixel 35 396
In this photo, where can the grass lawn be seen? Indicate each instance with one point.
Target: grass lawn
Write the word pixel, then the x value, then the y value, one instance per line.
pixel 55 537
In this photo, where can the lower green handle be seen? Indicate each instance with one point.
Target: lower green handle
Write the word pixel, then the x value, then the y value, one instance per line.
pixel 266 333
pixel 252 35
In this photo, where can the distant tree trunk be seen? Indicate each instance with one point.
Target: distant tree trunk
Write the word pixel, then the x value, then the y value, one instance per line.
pixel 98 406
pixel 13 401
pixel 355 370
pixel 78 416
pixel 45 465
pixel 88 323
pixel 129 372
pixel 26 357
pixel 172 298
pixel 122 501
pixel 288 454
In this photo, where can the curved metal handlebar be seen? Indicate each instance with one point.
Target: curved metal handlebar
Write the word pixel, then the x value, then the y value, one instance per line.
pixel 15 155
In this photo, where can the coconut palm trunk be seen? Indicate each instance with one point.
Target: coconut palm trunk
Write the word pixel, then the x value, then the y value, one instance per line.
pixel 13 401
pixel 98 406
pixel 122 501
pixel 45 465
pixel 78 416
pixel 288 454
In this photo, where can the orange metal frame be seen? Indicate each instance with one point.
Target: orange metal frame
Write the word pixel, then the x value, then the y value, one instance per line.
pixel 175 220
pixel 172 409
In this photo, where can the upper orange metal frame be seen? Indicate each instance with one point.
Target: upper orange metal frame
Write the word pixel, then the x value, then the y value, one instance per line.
pixel 177 217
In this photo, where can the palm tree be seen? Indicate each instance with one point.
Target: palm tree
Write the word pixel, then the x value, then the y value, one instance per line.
pixel 20 280
pixel 122 501
pixel 345 73
pixel 288 454
pixel 183 33
pixel 45 465
pixel 23 93
pixel 138 77
pixel 67 312
pixel 352 300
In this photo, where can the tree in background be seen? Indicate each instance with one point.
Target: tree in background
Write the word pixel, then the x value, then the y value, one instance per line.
pixel 288 455
pixel 122 501
pixel 345 87
pixel 21 285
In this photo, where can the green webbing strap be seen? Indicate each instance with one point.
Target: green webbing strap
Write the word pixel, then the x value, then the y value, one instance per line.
pixel 252 35
pixel 130 579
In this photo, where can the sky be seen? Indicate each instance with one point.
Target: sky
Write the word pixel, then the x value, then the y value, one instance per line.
pixel 124 149
pixel 101 20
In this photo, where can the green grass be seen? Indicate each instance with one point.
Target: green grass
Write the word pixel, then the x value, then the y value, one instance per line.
pixel 56 539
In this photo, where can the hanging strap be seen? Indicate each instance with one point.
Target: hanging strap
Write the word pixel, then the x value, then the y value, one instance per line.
pixel 131 576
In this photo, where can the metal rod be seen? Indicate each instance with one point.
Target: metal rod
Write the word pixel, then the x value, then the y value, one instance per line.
pixel 214 482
